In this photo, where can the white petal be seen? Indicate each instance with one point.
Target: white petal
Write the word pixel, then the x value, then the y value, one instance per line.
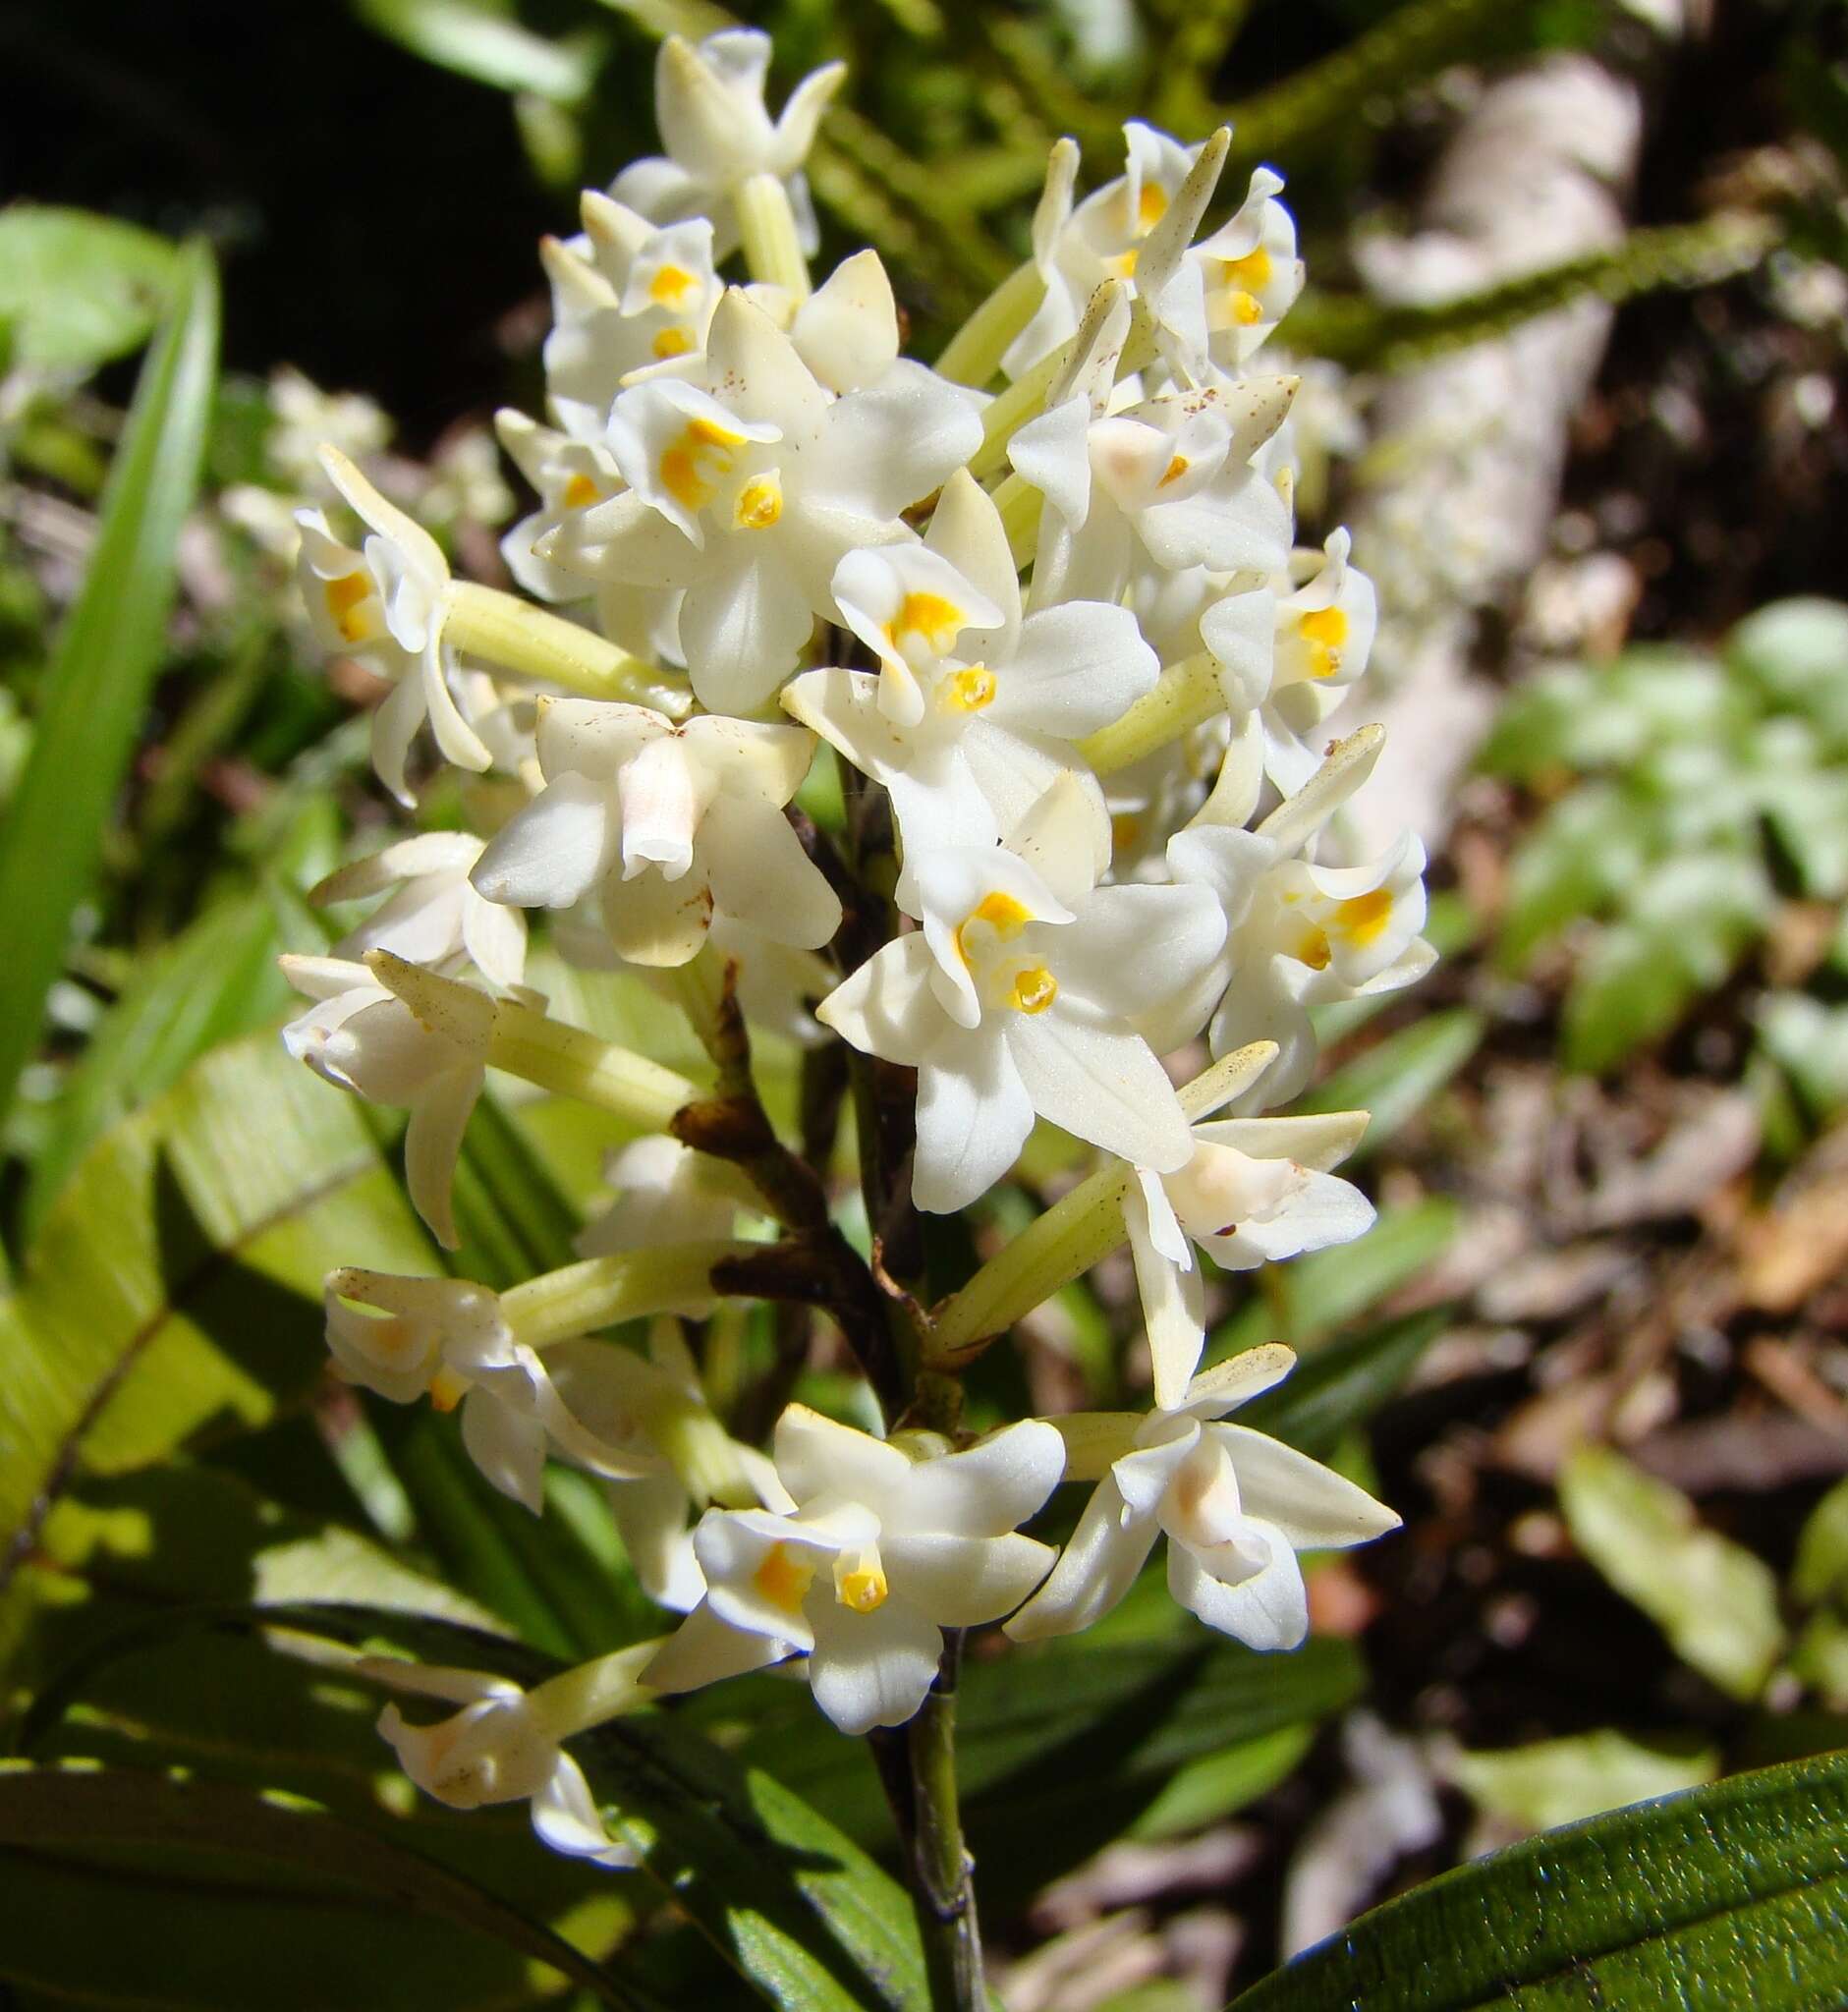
pixel 961 1582
pixel 1173 1301
pixel 901 438
pixel 1135 942
pixel 1321 1139
pixel 656 922
pixel 1066 839
pixel 760 874
pixel 703 1649
pixel 1095 1570
pixel 818 1456
pixel 1319 1211
pixel 743 631
pixel 846 330
pixel 843 708
pixel 1052 455
pixel 395 723
pixel 1316 1508
pixel 886 1007
pixel 495 937
pixel 431 1144
pixel 1099 1082
pixel 651 1521
pixel 988 1488
pixel 870 1669
pixel 507 1445
pixel 1266 1611
pixel 1078 667
pixel 966 528
pixel 1239 1378
pixel 553 851
pixel 974 1115
pixel 566 1817
pixel 1241 632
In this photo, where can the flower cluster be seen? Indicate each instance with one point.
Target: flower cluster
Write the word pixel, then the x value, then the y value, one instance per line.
pixel 1042 608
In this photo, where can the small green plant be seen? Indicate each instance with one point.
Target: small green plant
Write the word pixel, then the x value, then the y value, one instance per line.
pixel 1690 796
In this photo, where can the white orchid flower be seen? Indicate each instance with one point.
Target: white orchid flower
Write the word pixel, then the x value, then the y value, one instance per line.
pixel 1015 997
pixel 1235 1505
pixel 435 915
pixel 626 296
pixel 1167 484
pixel 970 717
pixel 1251 272
pixel 506 1744
pixel 749 484
pixel 1297 933
pixel 1256 1191
pixel 1292 658
pixel 571 476
pixel 673 823
pixel 385 604
pixel 363 1037
pixel 1077 249
pixel 708 101
pixel 889 1543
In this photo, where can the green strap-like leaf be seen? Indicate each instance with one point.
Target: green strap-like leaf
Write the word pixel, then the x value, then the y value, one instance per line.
pixel 1342 1384
pixel 785 1897
pixel 96 687
pixel 1721 1898
pixel 65 1814
pixel 176 1284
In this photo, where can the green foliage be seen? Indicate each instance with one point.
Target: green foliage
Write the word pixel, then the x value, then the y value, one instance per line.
pixel 96 685
pixel 1685 790
pixel 1563 1781
pixel 77 290
pixel 1721 1897
pixel 1715 1600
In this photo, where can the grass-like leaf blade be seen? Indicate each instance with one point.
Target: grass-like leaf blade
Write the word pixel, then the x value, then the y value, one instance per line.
pixel 95 688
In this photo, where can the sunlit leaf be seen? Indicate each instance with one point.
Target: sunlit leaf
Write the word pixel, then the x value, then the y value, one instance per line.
pixel 1722 1897
pixel 95 688
pixel 1398 1077
pixel 1715 1600
pixel 274 1898
pixel 76 289
pixel 1561 1781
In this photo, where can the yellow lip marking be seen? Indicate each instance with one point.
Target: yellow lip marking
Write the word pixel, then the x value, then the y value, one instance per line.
pixel 860 1587
pixel 1247 310
pixel 1252 273
pixel 999 914
pixel 696 459
pixel 342 596
pixel 1174 470
pixel 759 504
pixel 580 492
pixel 969 690
pixel 1152 205
pixel 447 1389
pixel 1313 949
pixel 1323 632
pixel 783 1579
pixel 672 342
pixel 1363 920
pixel 671 285
pixel 1035 990
pixel 929 616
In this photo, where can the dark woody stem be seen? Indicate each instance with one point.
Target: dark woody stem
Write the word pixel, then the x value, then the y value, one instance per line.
pixel 813 1264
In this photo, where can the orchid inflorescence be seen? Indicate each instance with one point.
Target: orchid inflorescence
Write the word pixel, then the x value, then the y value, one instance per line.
pixel 1074 672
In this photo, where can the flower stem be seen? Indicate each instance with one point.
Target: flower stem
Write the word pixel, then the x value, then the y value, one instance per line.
pixel 766 222
pixel 574 1063
pixel 514 636
pixel 941 1869
pixel 1187 695
pixel 973 354
pixel 577 1299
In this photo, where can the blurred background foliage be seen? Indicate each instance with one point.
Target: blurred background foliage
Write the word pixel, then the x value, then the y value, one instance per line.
pixel 1596 1350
